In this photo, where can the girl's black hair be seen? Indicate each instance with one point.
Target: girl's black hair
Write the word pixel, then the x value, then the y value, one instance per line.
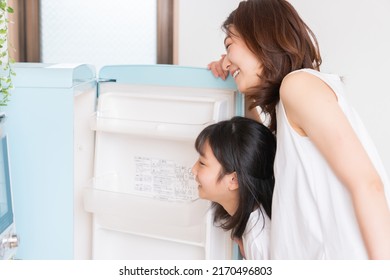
pixel 248 148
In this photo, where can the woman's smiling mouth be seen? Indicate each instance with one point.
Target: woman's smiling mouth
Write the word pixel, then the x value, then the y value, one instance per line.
pixel 236 73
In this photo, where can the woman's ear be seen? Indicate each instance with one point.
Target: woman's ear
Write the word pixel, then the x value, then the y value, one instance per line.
pixel 233 182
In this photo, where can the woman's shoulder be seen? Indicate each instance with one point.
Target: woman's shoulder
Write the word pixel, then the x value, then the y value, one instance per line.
pixel 303 93
pixel 297 83
pixel 298 76
pixel 302 75
pixel 304 81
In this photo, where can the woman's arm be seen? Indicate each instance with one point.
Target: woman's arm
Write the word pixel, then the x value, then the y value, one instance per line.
pixel 313 111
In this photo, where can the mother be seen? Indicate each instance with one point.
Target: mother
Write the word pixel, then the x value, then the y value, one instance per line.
pixel 331 197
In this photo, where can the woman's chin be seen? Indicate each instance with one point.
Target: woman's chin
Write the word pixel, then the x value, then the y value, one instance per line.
pixel 241 88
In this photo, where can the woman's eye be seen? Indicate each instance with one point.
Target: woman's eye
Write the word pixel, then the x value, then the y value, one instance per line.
pixel 228 42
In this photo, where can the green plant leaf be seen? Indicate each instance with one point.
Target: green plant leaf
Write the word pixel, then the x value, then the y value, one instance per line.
pixel 5 58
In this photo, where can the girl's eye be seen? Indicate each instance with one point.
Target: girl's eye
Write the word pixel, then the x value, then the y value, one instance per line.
pixel 201 163
pixel 227 46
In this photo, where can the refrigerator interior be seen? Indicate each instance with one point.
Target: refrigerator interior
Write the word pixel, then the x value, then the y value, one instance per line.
pixel 143 196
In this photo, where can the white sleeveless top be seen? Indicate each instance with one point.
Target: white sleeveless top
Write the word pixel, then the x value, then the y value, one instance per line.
pixel 256 237
pixel 312 212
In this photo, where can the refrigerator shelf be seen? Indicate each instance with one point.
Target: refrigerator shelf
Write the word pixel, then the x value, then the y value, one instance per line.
pixel 158 130
pixel 191 236
pixel 165 215
pixel 155 179
pixel 179 222
pixel 143 103
pixel 164 212
pixel 158 112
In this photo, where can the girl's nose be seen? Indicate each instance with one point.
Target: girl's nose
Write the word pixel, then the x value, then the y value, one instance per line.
pixel 193 169
pixel 225 63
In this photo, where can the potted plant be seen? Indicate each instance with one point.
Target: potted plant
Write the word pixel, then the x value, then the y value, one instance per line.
pixel 6 71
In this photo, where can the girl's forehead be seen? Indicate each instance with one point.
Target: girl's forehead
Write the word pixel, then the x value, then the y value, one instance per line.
pixel 203 147
pixel 207 148
pixel 207 152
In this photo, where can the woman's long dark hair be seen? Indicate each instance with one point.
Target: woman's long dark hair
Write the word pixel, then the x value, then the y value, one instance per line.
pixel 248 148
pixel 280 39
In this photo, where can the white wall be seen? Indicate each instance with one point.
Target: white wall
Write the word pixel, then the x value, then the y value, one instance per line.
pixel 354 38
pixel 198 27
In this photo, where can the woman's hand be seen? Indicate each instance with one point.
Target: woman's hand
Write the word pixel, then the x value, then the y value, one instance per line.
pixel 216 68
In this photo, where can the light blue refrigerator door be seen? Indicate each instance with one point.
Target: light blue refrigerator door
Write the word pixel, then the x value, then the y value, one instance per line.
pixel 42 123
pixel 143 198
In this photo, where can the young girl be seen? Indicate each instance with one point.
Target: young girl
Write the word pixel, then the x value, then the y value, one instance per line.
pixel 235 171
pixel 331 198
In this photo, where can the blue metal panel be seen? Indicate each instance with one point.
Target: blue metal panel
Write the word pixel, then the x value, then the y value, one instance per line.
pixel 165 75
pixel 6 213
pixel 41 147
pixel 41 75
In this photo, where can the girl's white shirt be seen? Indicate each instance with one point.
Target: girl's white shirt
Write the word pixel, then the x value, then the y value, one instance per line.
pixel 256 237
pixel 312 212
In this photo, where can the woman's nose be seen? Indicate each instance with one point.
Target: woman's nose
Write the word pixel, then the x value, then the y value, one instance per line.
pixel 225 63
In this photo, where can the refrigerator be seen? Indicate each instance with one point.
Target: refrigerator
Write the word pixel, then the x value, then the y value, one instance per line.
pixel 8 234
pixel 102 161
